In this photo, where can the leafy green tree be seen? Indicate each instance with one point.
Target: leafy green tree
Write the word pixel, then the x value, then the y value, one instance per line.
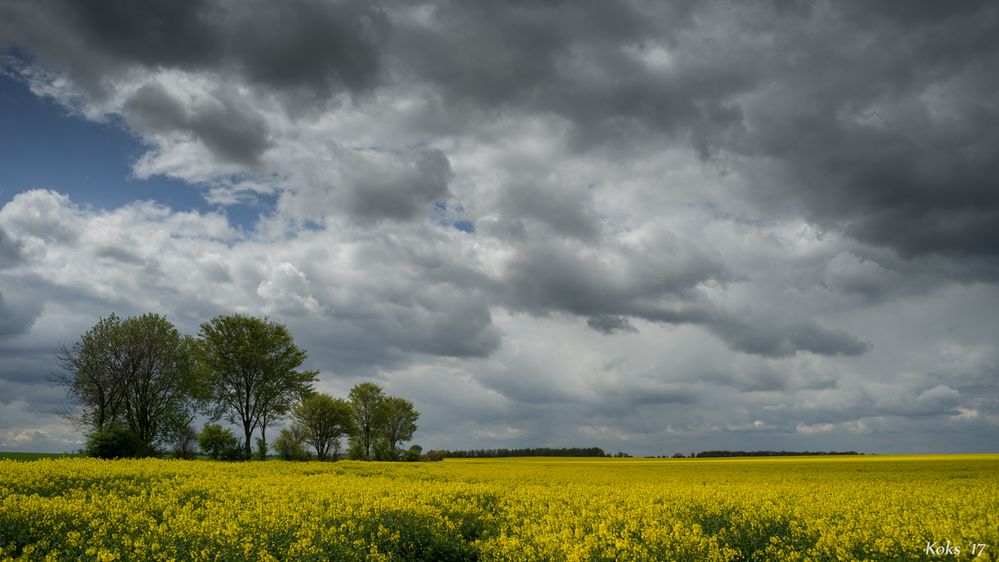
pixel 366 409
pixel 216 441
pixel 137 372
pixel 398 422
pixel 324 420
pixel 250 365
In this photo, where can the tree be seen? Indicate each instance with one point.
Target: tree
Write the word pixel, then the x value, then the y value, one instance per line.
pixel 91 374
pixel 136 371
pixel 250 365
pixel 216 441
pixel 366 409
pixel 323 421
pixel 398 422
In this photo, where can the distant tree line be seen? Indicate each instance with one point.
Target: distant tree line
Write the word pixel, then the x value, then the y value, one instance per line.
pixel 137 385
pixel 531 452
pixel 718 454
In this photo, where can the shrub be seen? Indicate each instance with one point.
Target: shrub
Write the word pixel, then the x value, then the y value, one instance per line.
pixel 434 456
pixel 413 454
pixel 115 442
pixel 290 445
pixel 217 442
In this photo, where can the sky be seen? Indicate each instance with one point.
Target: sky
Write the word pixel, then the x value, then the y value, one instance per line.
pixel 648 226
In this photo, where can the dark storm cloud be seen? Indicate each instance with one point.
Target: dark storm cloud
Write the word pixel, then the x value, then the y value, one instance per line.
pixel 312 47
pixel 878 119
pixel 777 339
pixel 155 33
pixel 16 317
pixel 626 280
pixel 659 282
pixel 886 121
pixel 226 124
pixel 578 60
pixel 882 116
pixel 609 324
pixel 565 212
pixel 401 189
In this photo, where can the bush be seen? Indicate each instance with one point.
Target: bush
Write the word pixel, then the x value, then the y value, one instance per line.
pixel 289 445
pixel 116 442
pixel 185 441
pixel 383 451
pixel 218 442
pixel 355 451
pixel 434 456
pixel 413 454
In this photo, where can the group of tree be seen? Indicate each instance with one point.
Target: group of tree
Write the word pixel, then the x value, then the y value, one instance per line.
pixel 137 385
pixel 375 425
pixel 531 452
pixel 725 454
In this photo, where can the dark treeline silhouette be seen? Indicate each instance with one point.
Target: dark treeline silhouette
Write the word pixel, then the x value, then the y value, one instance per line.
pixel 715 454
pixel 532 452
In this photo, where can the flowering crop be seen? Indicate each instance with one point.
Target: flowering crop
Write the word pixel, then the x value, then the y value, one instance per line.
pixel 815 508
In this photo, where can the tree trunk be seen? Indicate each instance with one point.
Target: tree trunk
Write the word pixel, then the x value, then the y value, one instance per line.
pixel 263 441
pixel 247 431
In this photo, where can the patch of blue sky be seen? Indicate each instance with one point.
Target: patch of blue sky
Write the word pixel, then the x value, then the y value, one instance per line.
pixel 43 145
pixel 446 216
pixel 464 226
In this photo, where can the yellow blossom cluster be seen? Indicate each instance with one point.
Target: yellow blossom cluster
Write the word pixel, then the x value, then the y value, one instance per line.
pixel 796 508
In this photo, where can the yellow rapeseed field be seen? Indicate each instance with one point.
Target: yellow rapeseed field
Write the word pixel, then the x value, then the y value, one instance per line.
pixel 818 508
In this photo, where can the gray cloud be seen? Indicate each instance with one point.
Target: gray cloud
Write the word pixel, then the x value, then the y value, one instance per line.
pixel 225 123
pixel 397 190
pixel 773 339
pixel 608 324
pixel 313 46
pixel 16 319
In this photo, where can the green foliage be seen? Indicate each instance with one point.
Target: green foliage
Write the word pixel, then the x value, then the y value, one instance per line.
pixel 262 448
pixel 250 368
pixel 290 445
pixel 366 408
pixel 355 451
pixel 398 423
pixel 184 440
pixel 413 454
pixel 116 442
pixel 217 442
pixel 323 420
pixel 434 456
pixel 137 372
pixel 383 451
pixel 381 423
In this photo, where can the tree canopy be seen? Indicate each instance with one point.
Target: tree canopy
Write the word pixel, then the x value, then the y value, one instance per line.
pixel 251 371
pixel 323 420
pixel 137 373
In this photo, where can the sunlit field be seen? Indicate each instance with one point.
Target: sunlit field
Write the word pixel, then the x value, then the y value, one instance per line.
pixel 800 508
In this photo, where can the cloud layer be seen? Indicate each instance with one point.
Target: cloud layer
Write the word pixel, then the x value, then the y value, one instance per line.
pixel 654 226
